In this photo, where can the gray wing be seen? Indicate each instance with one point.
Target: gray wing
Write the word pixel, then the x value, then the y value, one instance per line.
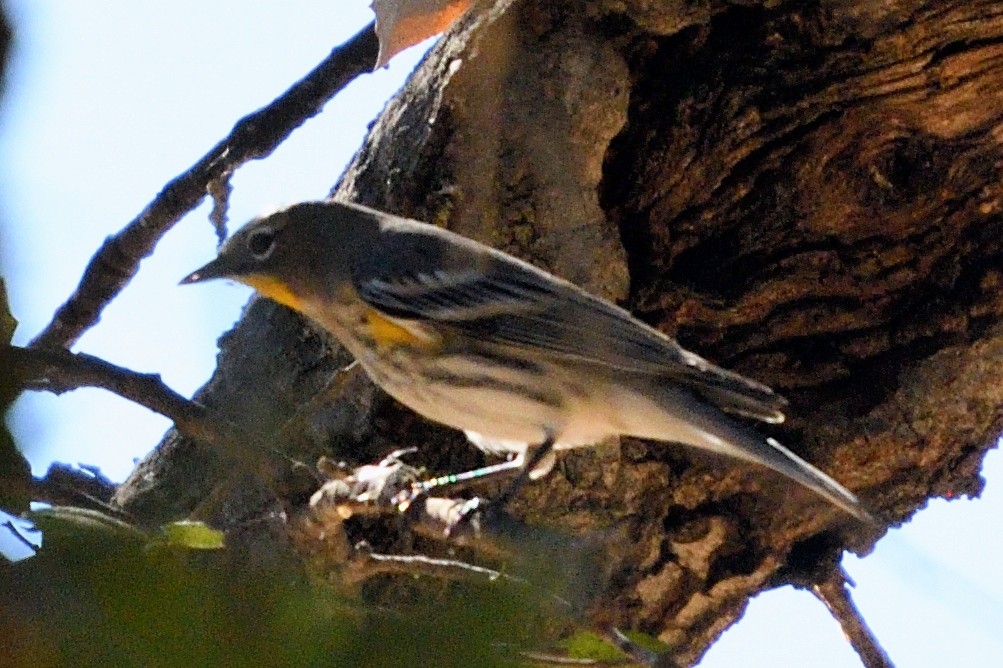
pixel 423 273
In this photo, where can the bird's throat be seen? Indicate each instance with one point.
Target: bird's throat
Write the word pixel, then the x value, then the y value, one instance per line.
pixel 274 289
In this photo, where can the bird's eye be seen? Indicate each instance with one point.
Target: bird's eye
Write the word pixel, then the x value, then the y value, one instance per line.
pixel 260 243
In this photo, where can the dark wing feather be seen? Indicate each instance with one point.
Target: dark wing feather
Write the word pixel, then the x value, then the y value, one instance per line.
pixel 426 274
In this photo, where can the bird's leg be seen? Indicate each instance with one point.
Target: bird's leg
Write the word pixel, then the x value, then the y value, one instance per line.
pixel 406 499
pixel 520 463
pixel 472 507
pixel 539 455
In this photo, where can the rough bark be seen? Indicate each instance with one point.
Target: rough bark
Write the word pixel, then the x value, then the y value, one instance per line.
pixel 808 193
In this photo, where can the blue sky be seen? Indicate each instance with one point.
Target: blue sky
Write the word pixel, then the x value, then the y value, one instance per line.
pixel 108 101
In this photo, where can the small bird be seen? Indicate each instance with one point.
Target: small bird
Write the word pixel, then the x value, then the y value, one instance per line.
pixel 518 359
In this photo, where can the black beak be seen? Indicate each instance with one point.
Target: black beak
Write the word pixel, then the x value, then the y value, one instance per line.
pixel 215 269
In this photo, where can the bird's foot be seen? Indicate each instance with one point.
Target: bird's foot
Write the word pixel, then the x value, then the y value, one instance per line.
pixel 466 517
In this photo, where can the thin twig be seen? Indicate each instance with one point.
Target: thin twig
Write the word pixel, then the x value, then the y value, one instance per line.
pixel 554 660
pixel 253 137
pixel 9 525
pixel 833 592
pixel 414 563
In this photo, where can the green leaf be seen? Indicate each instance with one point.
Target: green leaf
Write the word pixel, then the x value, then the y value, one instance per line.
pixel 647 642
pixel 589 645
pixel 108 601
pixel 193 535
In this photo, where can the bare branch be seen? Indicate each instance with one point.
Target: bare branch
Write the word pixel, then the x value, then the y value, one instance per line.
pixel 9 525
pixel 65 485
pixel 59 371
pixel 832 591
pixel 418 563
pixel 253 137
pixel 554 660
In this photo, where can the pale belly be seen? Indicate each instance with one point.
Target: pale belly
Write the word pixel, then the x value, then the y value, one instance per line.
pixel 502 420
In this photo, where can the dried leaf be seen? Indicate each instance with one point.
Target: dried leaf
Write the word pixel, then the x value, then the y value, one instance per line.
pixel 404 23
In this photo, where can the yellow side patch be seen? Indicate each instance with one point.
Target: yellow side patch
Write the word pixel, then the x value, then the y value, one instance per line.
pixel 274 289
pixel 386 332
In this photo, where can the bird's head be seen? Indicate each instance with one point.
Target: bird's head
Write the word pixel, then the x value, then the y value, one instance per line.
pixel 293 256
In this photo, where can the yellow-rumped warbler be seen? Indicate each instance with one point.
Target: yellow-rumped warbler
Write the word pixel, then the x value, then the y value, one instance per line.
pixel 478 340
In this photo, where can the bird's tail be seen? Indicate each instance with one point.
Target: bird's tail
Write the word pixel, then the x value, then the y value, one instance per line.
pixel 685 418
pixel 789 464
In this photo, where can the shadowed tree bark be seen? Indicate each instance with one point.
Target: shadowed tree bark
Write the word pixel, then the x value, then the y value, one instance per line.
pixel 808 193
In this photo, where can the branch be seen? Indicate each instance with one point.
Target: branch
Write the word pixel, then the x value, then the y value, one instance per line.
pixel 9 525
pixel 833 593
pixel 253 137
pixel 416 564
pixel 64 485
pixel 59 371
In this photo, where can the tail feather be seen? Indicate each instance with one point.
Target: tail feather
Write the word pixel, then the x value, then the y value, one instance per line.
pixel 683 417
pixel 740 403
pixel 745 443
pixel 789 464
pixel 751 446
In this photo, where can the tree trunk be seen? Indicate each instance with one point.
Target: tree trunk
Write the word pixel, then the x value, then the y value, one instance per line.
pixel 808 193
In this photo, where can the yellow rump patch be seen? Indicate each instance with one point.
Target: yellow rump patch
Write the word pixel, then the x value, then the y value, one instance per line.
pixel 274 289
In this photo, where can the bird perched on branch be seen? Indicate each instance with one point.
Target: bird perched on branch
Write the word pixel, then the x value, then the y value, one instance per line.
pixel 520 360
